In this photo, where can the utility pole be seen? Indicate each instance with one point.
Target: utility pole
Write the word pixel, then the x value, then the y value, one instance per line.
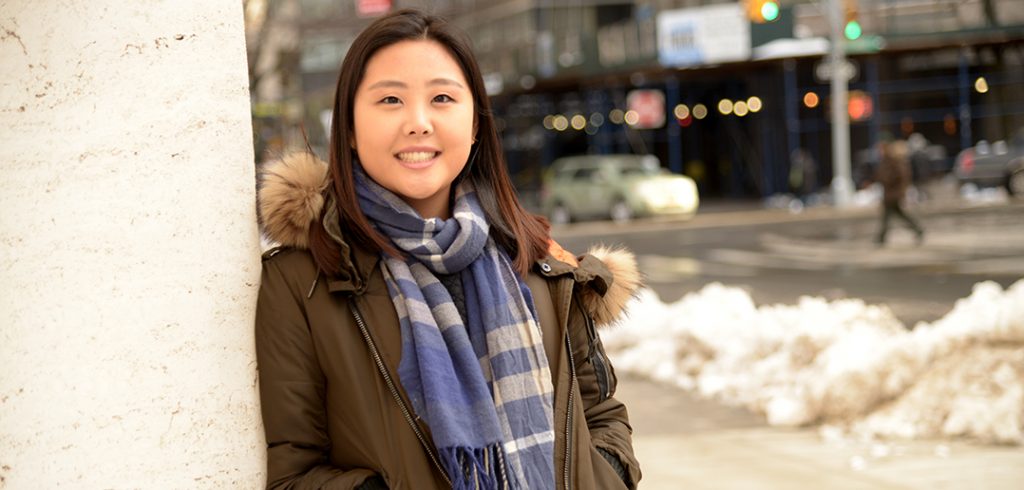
pixel 842 184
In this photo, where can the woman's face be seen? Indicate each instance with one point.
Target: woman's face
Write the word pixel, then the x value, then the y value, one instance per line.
pixel 414 123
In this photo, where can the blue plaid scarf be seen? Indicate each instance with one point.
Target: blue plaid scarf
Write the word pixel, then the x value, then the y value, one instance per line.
pixel 483 387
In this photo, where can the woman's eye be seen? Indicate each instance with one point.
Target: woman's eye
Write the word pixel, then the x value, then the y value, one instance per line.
pixel 443 98
pixel 391 99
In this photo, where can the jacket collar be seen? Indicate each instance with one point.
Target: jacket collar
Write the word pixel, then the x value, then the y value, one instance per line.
pixel 353 278
pixel 588 270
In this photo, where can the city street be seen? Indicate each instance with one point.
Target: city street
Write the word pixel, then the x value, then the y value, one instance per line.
pixel 779 256
pixel 687 442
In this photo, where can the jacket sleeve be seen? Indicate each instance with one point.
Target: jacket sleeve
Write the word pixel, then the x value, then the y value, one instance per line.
pixel 606 416
pixel 292 392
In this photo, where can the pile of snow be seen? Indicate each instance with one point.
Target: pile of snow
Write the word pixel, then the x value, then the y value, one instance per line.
pixel 987 195
pixel 843 362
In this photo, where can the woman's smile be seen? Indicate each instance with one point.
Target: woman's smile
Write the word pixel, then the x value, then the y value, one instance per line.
pixel 417 158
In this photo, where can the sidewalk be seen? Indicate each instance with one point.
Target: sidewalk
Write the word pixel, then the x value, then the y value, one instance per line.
pixel 685 442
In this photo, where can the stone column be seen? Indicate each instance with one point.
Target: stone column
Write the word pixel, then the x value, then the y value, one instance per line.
pixel 128 247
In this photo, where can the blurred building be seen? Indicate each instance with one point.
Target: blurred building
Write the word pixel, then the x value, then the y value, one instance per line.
pixel 272 38
pixel 713 88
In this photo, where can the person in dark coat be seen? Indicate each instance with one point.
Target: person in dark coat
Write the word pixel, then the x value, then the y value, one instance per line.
pixel 895 175
pixel 803 173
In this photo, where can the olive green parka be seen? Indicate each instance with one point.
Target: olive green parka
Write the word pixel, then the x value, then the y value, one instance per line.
pixel 328 350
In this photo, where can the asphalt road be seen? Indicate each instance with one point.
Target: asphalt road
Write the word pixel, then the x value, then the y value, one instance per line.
pixel 778 256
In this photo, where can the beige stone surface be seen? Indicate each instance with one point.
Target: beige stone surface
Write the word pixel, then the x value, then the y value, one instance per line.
pixel 128 247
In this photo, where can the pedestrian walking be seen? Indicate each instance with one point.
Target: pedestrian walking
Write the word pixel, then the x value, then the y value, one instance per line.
pixel 803 174
pixel 920 165
pixel 894 174
pixel 418 328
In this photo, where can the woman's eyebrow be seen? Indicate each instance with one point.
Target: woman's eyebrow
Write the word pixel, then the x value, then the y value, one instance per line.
pixel 387 84
pixel 445 81
pixel 400 84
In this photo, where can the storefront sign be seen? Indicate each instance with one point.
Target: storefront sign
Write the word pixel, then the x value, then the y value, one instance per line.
pixel 372 8
pixel 703 36
pixel 649 106
pixel 823 70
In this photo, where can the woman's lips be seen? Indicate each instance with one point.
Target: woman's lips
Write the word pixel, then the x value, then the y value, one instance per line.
pixel 417 159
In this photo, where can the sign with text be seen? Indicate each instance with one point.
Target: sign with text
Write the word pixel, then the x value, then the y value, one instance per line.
pixel 372 8
pixel 703 36
pixel 823 70
pixel 649 106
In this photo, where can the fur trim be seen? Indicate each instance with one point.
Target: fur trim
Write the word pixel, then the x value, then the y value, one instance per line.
pixel 291 197
pixel 555 250
pixel 626 280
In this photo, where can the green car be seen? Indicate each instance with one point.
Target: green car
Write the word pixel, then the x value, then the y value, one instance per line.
pixel 619 187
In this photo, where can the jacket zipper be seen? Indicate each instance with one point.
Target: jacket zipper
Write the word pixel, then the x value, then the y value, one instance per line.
pixel 394 391
pixel 566 477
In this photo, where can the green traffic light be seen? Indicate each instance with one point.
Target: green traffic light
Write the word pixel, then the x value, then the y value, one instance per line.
pixel 852 30
pixel 770 11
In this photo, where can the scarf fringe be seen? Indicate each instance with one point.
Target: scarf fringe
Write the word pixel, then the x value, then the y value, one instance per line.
pixel 477 468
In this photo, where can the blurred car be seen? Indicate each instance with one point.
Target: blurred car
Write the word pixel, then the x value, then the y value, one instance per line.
pixel 995 164
pixel 619 187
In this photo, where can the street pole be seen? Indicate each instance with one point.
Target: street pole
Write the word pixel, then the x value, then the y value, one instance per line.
pixel 842 184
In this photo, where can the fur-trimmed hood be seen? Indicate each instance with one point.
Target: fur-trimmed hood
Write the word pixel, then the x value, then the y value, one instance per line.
pixel 291 198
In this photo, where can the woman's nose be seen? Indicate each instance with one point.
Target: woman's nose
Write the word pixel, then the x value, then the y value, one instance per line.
pixel 418 121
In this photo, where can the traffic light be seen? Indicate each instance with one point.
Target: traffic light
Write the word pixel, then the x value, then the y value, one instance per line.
pixel 851 28
pixel 859 106
pixel 762 11
pixel 770 10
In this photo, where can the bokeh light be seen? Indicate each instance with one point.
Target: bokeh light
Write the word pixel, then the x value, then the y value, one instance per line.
pixel 616 116
pixel 725 107
pixel 740 108
pixel 578 122
pixel 560 123
pixel 811 100
pixel 981 85
pixel 681 111
pixel 754 103
pixel 700 111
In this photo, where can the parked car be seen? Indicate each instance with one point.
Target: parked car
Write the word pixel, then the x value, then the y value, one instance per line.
pixel 995 164
pixel 619 187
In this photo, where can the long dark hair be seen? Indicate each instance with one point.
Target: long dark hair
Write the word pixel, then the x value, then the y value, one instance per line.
pixel 522 234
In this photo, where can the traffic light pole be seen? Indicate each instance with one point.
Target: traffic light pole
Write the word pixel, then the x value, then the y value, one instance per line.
pixel 842 184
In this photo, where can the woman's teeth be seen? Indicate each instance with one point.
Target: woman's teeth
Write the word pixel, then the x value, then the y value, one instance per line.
pixel 417 156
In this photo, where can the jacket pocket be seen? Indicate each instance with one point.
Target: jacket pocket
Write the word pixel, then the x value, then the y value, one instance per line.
pixel 597 358
pixel 605 475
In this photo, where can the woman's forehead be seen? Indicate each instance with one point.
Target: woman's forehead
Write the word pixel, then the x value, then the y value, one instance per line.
pixel 413 62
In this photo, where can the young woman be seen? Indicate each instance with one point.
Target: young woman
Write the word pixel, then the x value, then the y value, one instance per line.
pixel 418 328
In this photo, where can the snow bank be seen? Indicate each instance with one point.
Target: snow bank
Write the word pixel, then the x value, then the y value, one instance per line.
pixel 843 362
